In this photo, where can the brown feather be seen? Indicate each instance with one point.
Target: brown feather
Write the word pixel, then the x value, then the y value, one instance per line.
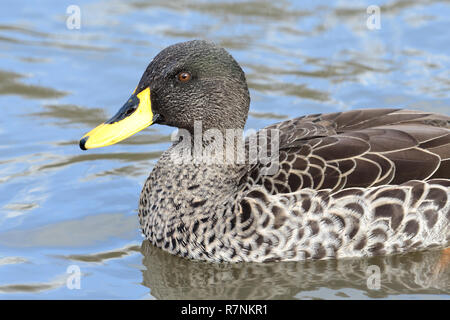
pixel 360 148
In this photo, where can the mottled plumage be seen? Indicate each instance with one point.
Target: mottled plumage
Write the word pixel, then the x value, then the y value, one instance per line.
pixel 358 183
pixel 347 184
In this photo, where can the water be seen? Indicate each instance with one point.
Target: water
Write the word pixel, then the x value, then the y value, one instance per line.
pixel 60 206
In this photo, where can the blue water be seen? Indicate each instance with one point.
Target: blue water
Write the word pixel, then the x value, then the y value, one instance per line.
pixel 60 206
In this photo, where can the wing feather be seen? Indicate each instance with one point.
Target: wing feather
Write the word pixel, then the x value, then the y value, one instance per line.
pixel 358 148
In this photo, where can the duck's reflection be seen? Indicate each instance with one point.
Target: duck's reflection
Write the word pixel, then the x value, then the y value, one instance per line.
pixel 171 277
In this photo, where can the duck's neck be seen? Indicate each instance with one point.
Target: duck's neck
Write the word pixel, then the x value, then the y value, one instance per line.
pixel 179 199
pixel 208 178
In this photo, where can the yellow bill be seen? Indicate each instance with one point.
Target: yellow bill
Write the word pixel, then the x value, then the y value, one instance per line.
pixel 134 116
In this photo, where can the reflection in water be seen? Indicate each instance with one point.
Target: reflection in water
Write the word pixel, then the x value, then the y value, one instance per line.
pixel 64 115
pixel 9 85
pixel 75 233
pixel 103 256
pixel 61 206
pixel 171 277
pixel 34 287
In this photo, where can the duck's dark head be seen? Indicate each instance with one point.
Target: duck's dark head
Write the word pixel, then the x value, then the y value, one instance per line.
pixel 186 82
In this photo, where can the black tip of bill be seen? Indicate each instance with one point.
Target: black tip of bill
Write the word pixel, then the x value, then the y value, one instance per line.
pixel 83 143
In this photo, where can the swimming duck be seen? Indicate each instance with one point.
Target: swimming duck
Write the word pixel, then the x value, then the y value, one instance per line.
pixel 345 184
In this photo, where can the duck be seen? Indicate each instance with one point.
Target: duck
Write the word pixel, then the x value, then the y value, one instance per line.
pixel 347 184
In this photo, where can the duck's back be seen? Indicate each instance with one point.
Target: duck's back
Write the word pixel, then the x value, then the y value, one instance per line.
pixel 360 148
pixel 357 183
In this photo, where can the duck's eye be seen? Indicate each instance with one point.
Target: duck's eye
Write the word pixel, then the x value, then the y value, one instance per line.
pixel 184 76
